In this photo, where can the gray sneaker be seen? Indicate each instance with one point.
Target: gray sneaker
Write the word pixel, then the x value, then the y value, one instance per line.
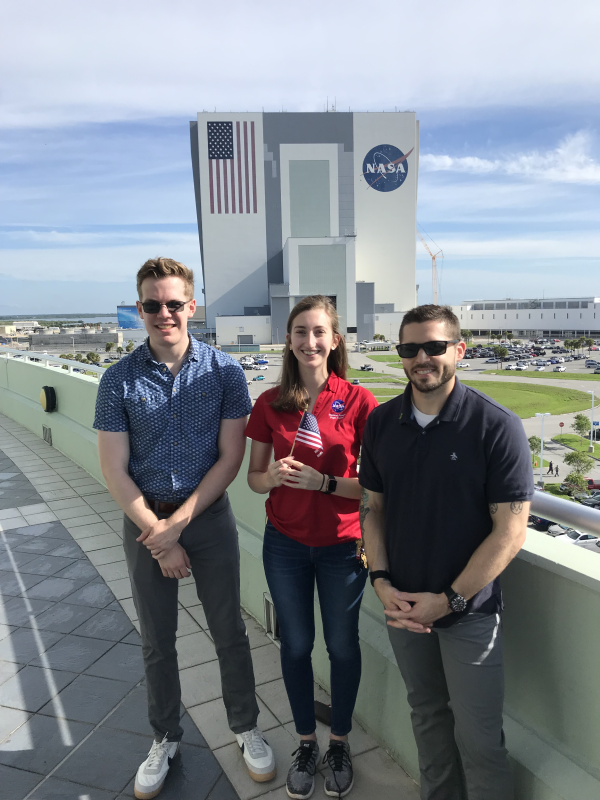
pixel 341 780
pixel 300 782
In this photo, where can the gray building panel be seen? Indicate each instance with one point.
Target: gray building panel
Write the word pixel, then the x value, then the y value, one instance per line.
pixel 365 309
pixel 196 174
pixel 322 270
pixel 384 308
pixel 346 190
pixel 309 199
pixel 295 128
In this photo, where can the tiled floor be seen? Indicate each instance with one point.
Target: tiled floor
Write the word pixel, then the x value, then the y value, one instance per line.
pixel 72 700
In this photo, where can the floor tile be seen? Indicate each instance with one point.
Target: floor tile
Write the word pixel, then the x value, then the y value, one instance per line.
pixel 194 649
pixel 32 687
pixel 38 544
pixel 38 508
pixel 120 588
pixel 74 653
pixel 19 611
pixel 9 512
pixel 16 783
pixel 123 662
pixel 73 514
pixel 58 494
pixel 256 634
pixel 38 745
pixel 123 751
pixel 132 638
pixel 56 789
pixel 54 588
pixel 192 775
pixel 188 596
pixel 132 714
pixel 267 664
pixel 36 519
pixel 88 698
pixel 10 720
pixel 12 523
pixel 8 561
pixel 25 645
pixel 63 617
pixel 108 555
pixel 109 625
pixel 200 684
pixel 88 527
pixel 12 585
pixel 5 630
pixel 60 505
pixel 54 529
pixel 67 550
pixel 198 615
pixel 115 571
pixel 186 624
pixel 112 515
pixel 235 768
pixel 223 790
pixel 79 570
pixel 46 565
pixel 128 607
pixel 97 595
pixel 274 695
pixel 211 719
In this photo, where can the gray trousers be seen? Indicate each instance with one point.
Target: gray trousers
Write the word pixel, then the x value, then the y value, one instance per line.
pixel 210 540
pixel 455 685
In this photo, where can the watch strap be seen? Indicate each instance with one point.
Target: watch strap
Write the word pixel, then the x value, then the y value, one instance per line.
pixel 379 573
pixel 331 488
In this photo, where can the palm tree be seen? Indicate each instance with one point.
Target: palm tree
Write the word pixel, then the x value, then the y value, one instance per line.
pixel 109 346
pixel 119 350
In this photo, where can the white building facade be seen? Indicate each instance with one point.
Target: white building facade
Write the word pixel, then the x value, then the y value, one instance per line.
pixel 295 204
pixel 537 317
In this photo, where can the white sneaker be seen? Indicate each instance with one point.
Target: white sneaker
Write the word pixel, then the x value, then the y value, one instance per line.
pixel 257 754
pixel 152 773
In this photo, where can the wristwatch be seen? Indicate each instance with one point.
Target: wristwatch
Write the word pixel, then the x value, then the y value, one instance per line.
pixel 456 601
pixel 331 485
pixel 379 573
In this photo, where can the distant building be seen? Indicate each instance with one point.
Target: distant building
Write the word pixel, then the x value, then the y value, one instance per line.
pixel 538 317
pixel 295 204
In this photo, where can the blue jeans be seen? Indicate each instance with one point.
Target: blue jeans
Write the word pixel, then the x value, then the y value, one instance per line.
pixel 291 569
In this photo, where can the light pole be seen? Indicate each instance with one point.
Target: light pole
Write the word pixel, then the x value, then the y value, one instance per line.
pixel 591 447
pixel 541 481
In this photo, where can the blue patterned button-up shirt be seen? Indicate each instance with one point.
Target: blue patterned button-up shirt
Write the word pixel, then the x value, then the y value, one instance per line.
pixel 173 422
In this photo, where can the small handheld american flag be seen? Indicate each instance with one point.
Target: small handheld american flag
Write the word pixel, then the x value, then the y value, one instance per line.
pixel 308 433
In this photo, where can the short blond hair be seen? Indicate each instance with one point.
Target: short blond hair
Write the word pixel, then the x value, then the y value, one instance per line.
pixel 165 268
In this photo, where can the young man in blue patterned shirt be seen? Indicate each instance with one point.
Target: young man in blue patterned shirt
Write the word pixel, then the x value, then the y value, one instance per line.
pixel 171 418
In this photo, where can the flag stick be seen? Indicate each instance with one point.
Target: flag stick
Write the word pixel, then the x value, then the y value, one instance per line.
pixel 296 436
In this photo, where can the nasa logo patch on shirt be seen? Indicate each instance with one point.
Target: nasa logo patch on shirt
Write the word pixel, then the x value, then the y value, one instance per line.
pixel 338 407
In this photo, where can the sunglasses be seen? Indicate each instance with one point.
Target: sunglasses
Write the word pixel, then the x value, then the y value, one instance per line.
pixel 153 306
pixel 411 350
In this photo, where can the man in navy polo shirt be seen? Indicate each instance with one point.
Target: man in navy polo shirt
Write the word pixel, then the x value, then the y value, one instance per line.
pixel 447 479
pixel 171 419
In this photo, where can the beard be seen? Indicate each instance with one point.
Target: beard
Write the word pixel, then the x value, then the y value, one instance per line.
pixel 424 384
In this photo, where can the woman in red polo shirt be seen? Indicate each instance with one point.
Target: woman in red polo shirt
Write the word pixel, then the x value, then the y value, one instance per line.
pixel 313 528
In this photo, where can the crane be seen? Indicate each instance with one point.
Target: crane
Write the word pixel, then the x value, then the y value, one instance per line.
pixel 433 266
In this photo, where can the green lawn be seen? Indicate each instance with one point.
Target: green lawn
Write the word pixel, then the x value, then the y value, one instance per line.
pixel 522 398
pixel 577 443
pixel 363 375
pixel 387 357
pixel 561 376
pixel 526 399
pixel 537 458
pixel 554 488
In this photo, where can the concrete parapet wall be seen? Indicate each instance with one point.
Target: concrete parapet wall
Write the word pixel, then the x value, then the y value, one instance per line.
pixel 552 598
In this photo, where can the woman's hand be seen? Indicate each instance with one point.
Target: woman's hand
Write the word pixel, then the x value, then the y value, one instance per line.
pixel 301 476
pixel 276 472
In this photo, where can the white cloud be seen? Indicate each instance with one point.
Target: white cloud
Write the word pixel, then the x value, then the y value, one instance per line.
pixel 569 162
pixel 106 60
pixel 570 245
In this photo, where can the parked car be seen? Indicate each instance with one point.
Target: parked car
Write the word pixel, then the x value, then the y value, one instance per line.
pixel 258 378
pixel 260 366
pixel 539 369
pixel 262 360
pixel 510 366
pixel 521 367
pixel 493 361
pixel 356 382
pixel 596 371
pixel 539 523
pixel 462 365
pixel 367 368
pixel 559 369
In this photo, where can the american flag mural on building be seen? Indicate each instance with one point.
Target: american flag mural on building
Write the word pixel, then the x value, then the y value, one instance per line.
pixel 232 167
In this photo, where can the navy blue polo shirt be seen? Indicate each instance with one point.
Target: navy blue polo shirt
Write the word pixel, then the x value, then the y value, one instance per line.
pixel 173 422
pixel 438 483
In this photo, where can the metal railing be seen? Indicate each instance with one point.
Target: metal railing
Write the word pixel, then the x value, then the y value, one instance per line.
pixel 46 360
pixel 574 515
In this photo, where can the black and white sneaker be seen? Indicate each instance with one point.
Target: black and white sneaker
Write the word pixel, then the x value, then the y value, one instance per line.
pixel 257 754
pixel 300 782
pixel 341 780
pixel 151 775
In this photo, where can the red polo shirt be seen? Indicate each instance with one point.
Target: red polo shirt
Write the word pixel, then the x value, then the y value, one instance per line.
pixel 314 518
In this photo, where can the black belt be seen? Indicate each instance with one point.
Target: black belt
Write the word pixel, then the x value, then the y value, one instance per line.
pixel 160 507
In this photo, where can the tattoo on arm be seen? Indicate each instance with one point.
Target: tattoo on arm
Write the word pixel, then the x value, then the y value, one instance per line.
pixel 493 508
pixel 516 506
pixel 363 508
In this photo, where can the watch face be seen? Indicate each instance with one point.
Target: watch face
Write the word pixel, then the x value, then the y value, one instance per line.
pixel 458 603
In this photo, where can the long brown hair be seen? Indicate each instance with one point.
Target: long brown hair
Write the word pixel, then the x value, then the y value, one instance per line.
pixel 292 392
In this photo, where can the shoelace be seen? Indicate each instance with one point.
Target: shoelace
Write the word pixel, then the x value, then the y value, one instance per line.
pixel 337 758
pixel 157 753
pixel 305 755
pixel 254 743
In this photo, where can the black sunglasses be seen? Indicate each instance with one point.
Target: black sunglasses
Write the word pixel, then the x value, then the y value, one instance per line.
pixel 153 306
pixel 410 349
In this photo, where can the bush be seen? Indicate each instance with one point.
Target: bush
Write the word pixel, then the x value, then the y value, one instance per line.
pixel 575 483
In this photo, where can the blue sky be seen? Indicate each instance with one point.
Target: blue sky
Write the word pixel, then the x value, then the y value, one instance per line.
pixel 94 139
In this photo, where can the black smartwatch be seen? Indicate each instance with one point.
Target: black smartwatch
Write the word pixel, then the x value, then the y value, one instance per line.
pixel 379 573
pixel 331 485
pixel 456 601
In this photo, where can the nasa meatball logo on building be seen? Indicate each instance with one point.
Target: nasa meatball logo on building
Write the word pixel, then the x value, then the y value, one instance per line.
pixel 385 167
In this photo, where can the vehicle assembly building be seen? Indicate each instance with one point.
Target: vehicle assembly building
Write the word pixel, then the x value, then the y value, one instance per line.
pixel 292 204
